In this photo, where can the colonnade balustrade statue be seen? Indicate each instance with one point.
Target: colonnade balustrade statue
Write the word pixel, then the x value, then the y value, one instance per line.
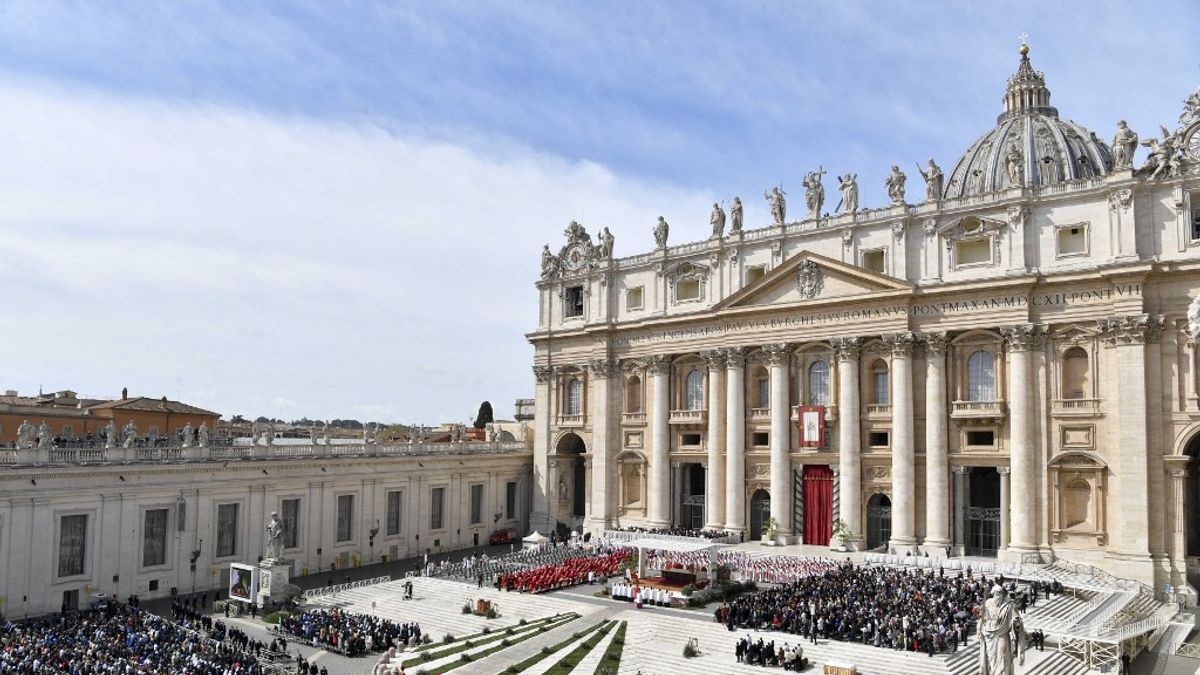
pixel 725 445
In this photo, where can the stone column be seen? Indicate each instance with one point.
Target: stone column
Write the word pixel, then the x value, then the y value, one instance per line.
pixel 659 369
pixel 937 457
pixel 903 462
pixel 849 437
pixel 735 440
pixel 543 485
pixel 605 444
pixel 1005 506
pixel 677 494
pixel 960 509
pixel 1022 449
pixel 714 475
pixel 781 439
pixel 1126 337
pixel 1178 548
pixel 1193 401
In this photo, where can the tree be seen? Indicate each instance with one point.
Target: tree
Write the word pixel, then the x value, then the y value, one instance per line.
pixel 485 415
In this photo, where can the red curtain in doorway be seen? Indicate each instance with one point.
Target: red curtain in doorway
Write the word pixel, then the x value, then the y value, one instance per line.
pixel 818 505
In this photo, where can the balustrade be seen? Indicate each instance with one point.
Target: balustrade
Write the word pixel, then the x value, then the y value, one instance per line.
pixel 689 416
pixel 977 409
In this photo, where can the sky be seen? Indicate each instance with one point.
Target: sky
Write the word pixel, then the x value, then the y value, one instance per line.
pixel 336 209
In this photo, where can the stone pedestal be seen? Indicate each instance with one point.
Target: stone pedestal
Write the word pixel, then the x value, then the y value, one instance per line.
pixel 273 576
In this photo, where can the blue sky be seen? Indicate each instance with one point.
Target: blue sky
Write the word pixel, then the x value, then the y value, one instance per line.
pixel 335 209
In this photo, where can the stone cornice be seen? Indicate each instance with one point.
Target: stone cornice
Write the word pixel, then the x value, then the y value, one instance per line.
pixel 1126 330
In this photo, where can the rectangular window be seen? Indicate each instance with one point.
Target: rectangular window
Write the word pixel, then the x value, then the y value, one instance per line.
pixel 687 289
pixel 227 530
pixel 880 382
pixel 878 439
pixel 291 522
pixel 761 439
pixel 634 297
pixel 510 500
pixel 984 438
pixel 345 517
pixel 437 501
pixel 1195 233
pixel 874 260
pixel 476 504
pixel 154 538
pixel 689 439
pixel 395 511
pixel 973 252
pixel 573 302
pixel 72 545
pixel 755 273
pixel 1072 240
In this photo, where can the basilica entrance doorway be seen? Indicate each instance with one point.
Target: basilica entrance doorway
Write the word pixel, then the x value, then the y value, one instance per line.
pixel 983 512
pixel 572 479
pixel 879 521
pixel 1191 511
pixel 818 504
pixel 760 513
pixel 691 496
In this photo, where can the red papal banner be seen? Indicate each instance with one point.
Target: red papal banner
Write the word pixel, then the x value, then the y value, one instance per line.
pixel 812 425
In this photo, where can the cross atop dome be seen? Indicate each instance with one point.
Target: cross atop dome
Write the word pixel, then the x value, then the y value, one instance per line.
pixel 1026 90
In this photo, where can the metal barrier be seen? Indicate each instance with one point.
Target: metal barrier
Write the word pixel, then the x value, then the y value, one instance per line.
pixel 332 590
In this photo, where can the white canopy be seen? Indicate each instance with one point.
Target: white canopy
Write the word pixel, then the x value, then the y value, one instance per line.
pixel 536 538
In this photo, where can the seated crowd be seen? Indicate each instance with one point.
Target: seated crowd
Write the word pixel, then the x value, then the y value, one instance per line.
pixel 678 532
pixel 892 608
pixel 570 572
pixel 777 569
pixel 123 640
pixel 346 632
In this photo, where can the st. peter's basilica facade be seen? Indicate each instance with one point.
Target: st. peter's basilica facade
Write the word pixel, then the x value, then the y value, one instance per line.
pixel 1004 365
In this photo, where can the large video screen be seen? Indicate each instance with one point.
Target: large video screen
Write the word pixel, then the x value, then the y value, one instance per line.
pixel 243 582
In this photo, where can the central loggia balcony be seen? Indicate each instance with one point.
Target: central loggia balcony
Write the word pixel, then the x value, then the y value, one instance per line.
pixel 575 421
pixel 760 414
pixel 969 410
pixel 831 413
pixel 633 419
pixel 689 417
pixel 878 411
pixel 1075 407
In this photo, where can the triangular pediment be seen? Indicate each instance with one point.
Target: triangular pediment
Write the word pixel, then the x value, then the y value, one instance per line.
pixel 809 277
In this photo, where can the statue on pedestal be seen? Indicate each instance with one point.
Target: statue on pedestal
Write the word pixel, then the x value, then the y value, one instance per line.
pixel 110 435
pixel 933 181
pixel 25 434
pixel 895 186
pixel 605 250
pixel 735 215
pixel 45 436
pixel 814 193
pixel 717 220
pixel 661 230
pixel 187 435
pixel 848 185
pixel 328 433
pixel 778 204
pixel 202 434
pixel 273 541
pixel 995 629
pixel 1123 146
pixel 549 263
pixel 129 433
pixel 1014 164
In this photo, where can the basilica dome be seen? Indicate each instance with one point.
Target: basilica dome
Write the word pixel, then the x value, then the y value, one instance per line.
pixel 1030 144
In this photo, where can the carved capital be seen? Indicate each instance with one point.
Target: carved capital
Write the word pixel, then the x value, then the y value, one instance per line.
pixel 1003 470
pixel 898 230
pixel 602 368
pixel 1179 473
pixel 776 354
pixel 930 227
pixel 657 364
pixel 1018 216
pixel 1126 330
pixel 1024 337
pixel 900 343
pixel 735 357
pixel 934 343
pixel 542 373
pixel 961 470
pixel 847 238
pixel 715 358
pixel 847 348
pixel 1120 199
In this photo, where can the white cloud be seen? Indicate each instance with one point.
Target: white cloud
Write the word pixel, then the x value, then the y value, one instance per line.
pixel 266 261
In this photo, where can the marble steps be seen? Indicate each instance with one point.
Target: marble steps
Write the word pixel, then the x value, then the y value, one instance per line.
pixel 1057 608
pixel 1113 604
pixel 1140 607
pixel 500 661
pixel 473 651
pixel 590 663
pixel 550 661
pixel 1055 663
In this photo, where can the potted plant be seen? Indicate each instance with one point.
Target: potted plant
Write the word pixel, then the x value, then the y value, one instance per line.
pixel 772 531
pixel 841 533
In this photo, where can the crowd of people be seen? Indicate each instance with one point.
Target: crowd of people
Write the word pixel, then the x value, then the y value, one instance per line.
pixel 347 632
pixel 123 640
pixel 680 532
pixel 639 595
pixel 760 653
pixel 570 572
pixel 892 608
pixel 776 569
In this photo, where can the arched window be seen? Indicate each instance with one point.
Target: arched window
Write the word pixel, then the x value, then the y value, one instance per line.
pixel 1076 383
pixel 694 391
pixel 574 397
pixel 879 383
pixel 762 388
pixel 818 383
pixel 633 394
pixel 981 376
